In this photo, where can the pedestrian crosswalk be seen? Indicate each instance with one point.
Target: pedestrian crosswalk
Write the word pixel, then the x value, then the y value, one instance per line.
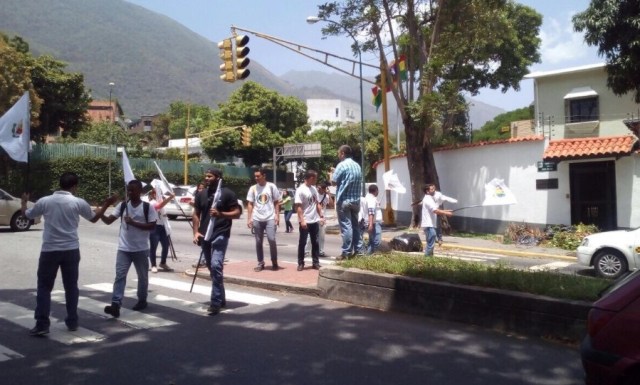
pixel 163 293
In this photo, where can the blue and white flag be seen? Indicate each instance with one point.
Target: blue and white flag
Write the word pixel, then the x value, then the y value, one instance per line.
pixel 15 130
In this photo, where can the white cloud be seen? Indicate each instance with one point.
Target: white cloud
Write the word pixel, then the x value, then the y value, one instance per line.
pixel 561 45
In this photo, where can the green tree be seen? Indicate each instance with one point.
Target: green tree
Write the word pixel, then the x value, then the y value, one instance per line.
pixel 103 133
pixel 451 46
pixel 65 99
pixel 274 120
pixel 493 130
pixel 614 27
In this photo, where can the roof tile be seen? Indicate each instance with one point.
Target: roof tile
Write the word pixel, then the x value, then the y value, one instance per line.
pixel 564 149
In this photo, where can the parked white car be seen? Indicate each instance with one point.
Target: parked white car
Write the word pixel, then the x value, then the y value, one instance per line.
pixel 611 253
pixel 11 213
pixel 183 208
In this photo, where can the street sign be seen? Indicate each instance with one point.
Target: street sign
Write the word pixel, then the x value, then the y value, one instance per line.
pixel 547 166
pixel 303 150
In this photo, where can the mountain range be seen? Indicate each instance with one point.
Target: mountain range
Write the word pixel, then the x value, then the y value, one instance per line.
pixel 154 60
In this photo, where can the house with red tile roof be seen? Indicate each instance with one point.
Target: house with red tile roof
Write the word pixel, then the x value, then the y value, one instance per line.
pixel 577 163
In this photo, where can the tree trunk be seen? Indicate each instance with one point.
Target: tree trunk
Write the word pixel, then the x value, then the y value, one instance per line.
pixel 415 165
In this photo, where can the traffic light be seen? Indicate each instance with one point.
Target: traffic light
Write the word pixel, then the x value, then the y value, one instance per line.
pixel 246 136
pixel 242 61
pixel 226 54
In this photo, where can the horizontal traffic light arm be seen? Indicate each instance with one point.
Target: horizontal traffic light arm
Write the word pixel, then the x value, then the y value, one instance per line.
pixel 219 130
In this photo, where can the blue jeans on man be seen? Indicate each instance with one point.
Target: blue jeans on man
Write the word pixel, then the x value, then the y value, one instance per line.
pixel 349 228
pixel 375 238
pixel 215 262
pixel 124 259
pixel 159 235
pixel 430 234
pixel 67 261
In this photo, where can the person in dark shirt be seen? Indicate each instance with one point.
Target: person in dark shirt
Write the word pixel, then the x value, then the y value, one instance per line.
pixel 214 210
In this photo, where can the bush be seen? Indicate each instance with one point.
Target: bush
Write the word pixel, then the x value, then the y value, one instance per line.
pixel 569 237
pixel 523 234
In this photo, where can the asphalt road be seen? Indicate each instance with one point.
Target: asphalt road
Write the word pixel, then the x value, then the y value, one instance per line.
pixel 263 337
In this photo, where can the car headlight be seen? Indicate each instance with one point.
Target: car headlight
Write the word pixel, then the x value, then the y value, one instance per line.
pixel 585 242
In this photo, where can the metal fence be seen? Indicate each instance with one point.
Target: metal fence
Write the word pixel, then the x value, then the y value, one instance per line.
pixel 43 152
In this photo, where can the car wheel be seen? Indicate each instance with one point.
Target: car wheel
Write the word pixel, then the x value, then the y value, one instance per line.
pixel 610 264
pixel 19 222
pixel 172 217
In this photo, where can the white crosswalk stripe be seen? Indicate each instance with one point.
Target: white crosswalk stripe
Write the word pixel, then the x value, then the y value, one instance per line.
pixel 24 317
pixel 550 266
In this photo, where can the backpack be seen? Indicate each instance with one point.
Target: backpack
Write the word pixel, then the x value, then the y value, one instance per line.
pixel 145 209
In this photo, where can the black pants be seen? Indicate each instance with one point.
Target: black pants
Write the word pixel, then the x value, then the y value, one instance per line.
pixel 312 230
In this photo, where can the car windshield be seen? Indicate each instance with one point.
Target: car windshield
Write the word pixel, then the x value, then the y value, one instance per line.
pixel 620 282
pixel 180 191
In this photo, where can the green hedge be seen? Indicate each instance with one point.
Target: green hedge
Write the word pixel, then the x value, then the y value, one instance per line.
pixel 94 178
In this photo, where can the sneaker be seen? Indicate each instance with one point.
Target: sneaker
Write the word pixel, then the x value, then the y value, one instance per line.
pixel 341 257
pixel 258 268
pixel 165 267
pixel 154 269
pixel 212 310
pixel 113 310
pixel 322 255
pixel 72 326
pixel 275 267
pixel 139 306
pixel 300 267
pixel 315 266
pixel 39 331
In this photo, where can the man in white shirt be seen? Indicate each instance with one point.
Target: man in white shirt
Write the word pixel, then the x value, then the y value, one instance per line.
pixel 310 217
pixel 373 219
pixel 323 199
pixel 440 198
pixel 138 220
pixel 263 215
pixel 430 211
pixel 60 248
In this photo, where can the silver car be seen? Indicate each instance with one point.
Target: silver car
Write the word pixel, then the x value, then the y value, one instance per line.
pixel 611 253
pixel 11 213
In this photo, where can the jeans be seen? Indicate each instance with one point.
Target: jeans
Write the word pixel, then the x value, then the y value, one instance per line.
pixel 287 220
pixel 430 234
pixel 260 227
pixel 140 261
pixel 321 233
pixel 215 262
pixel 159 236
pixel 68 261
pixel 311 231
pixel 375 237
pixel 439 229
pixel 349 229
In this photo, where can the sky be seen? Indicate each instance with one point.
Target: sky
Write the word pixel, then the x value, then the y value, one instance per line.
pixel 286 20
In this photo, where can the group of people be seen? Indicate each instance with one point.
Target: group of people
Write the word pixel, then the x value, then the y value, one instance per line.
pixel 215 207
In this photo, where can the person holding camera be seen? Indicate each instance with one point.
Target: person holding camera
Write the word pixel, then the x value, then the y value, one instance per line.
pixel 214 210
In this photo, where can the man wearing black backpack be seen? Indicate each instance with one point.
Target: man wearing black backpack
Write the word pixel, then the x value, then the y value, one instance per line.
pixel 138 220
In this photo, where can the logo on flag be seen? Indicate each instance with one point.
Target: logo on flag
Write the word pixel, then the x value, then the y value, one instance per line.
pixel 14 130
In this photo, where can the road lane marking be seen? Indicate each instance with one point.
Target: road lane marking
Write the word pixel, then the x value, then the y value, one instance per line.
pixel 231 295
pixel 134 319
pixel 7 354
pixel 24 317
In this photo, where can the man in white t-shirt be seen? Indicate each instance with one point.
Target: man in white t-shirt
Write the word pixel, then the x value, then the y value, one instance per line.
pixel 323 199
pixel 60 248
pixel 263 215
pixel 138 220
pixel 440 198
pixel 310 217
pixel 373 219
pixel 428 222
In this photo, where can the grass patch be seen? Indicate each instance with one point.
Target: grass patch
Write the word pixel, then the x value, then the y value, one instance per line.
pixel 500 276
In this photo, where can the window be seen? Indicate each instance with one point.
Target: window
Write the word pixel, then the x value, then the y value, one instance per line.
pixel 583 110
pixel 337 112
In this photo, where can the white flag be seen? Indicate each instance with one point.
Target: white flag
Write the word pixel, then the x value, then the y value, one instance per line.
pixel 126 168
pixel 497 193
pixel 392 182
pixel 15 130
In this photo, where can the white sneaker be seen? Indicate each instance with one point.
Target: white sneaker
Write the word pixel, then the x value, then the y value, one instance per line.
pixel 154 269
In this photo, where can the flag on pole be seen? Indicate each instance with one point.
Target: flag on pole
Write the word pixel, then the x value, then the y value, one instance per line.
pixel 126 168
pixel 15 130
pixel 392 182
pixel 497 193
pixel 376 100
pixel 166 185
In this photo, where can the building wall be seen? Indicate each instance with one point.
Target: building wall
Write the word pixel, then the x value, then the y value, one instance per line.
pixel 550 104
pixel 332 110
